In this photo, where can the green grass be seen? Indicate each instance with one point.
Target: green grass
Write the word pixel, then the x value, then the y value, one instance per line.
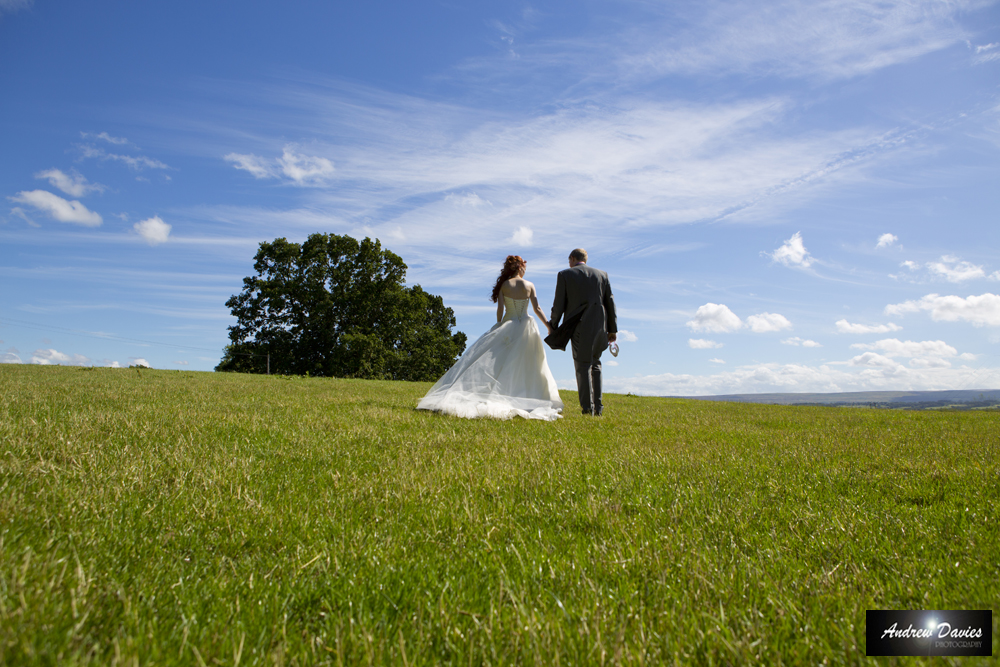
pixel 161 517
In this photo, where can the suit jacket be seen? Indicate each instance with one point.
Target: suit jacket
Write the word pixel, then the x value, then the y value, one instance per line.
pixel 584 294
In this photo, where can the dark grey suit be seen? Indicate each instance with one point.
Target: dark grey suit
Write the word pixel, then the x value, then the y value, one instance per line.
pixel 584 290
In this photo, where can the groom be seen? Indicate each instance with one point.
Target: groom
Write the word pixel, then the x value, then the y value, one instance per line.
pixel 584 296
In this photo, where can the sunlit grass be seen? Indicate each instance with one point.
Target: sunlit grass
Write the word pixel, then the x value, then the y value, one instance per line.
pixel 183 518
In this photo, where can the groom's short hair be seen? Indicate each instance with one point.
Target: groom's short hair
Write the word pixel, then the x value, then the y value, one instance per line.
pixel 579 254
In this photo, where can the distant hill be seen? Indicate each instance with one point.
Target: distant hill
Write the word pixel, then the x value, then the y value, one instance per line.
pixel 910 400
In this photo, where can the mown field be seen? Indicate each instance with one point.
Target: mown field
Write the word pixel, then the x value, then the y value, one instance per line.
pixel 162 517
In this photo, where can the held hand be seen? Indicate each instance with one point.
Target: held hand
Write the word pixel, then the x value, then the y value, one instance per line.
pixel 612 337
pixel 549 327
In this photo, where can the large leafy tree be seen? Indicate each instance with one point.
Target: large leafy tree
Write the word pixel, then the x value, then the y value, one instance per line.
pixel 336 307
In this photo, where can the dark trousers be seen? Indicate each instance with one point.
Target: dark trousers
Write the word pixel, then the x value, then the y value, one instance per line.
pixel 588 381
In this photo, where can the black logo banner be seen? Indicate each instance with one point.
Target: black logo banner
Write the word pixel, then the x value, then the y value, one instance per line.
pixel 929 632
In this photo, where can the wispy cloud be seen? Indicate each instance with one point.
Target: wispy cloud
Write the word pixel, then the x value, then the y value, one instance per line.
pixel 843 326
pixel 987 53
pixel 954 270
pixel 702 344
pixel 11 6
pixel 297 168
pixel 796 341
pixel 887 240
pixel 133 162
pixel 256 165
pixel 305 169
pixel 104 136
pixel 449 179
pixel 824 39
pixel 73 184
pixel 58 208
pixel 950 268
pixel 18 212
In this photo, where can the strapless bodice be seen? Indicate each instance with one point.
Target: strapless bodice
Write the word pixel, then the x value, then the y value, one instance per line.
pixel 514 309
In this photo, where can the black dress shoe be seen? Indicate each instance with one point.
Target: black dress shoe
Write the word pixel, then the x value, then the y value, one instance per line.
pixel 588 413
pixel 598 413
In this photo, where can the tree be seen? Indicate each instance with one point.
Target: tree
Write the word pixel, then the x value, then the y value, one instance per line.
pixel 337 307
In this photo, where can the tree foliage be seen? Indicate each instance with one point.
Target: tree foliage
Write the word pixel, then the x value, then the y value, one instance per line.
pixel 336 307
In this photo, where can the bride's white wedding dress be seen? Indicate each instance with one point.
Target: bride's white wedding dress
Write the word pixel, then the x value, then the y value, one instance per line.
pixel 502 375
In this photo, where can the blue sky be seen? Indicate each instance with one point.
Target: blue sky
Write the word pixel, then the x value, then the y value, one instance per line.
pixel 788 196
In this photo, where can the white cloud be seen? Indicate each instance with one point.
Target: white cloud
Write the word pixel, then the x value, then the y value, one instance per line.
pixel 716 360
pixel 911 265
pixel 866 374
pixel 987 53
pixel 9 358
pixel 994 276
pixel 886 240
pixel 74 185
pixel 651 163
pixel 824 39
pixel 874 360
pixel 715 318
pixel 19 212
pixel 48 357
pixel 58 208
pixel 111 364
pixel 929 362
pixel 843 326
pixel 181 363
pixel 304 169
pixel 893 347
pixel 134 162
pixel 256 165
pixel 792 253
pixel 153 230
pixel 702 344
pixel 469 199
pixel 977 310
pixel 522 236
pixel 139 361
pixel 11 6
pixel 104 136
pixel 766 322
pixel 795 340
pixel 627 336
pixel 301 169
pixel 954 270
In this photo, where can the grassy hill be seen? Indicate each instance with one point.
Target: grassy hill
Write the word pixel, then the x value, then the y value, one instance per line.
pixel 161 517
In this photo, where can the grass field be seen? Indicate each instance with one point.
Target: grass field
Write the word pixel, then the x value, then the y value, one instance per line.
pixel 161 517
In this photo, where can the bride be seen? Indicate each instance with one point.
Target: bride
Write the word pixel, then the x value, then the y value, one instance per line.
pixel 503 374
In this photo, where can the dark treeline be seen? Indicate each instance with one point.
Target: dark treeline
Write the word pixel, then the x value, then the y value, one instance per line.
pixel 337 307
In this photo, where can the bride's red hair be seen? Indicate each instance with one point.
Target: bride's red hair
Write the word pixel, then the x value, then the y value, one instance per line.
pixel 512 266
